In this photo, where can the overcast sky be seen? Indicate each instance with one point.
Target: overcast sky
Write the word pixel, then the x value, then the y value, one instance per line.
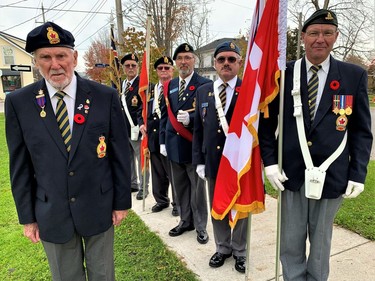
pixel 18 17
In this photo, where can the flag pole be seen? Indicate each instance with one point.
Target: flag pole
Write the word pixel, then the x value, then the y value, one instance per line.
pixel 146 154
pixel 280 163
pixel 248 238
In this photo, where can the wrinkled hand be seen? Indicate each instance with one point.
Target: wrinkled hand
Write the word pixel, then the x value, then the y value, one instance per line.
pixel 31 231
pixel 274 176
pixel 143 130
pixel 163 150
pixel 200 171
pixel 353 189
pixel 183 117
pixel 118 216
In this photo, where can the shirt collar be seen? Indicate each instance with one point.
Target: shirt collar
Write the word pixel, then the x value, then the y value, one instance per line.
pixel 324 64
pixel 231 83
pixel 70 90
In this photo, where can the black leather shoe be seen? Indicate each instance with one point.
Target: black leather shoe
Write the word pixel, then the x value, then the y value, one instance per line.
pixel 159 207
pixel 240 265
pixel 218 259
pixel 178 230
pixel 202 236
pixel 175 211
pixel 134 189
pixel 140 195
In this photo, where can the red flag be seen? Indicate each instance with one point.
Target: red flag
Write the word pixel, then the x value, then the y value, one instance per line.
pixel 239 185
pixel 114 65
pixel 143 87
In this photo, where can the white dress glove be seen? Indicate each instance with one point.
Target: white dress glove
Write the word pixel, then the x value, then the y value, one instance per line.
pixel 163 150
pixel 200 171
pixel 274 176
pixel 353 189
pixel 183 117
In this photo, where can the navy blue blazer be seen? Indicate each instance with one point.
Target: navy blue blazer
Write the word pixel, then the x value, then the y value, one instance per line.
pixel 178 148
pixel 62 192
pixel 322 136
pixel 208 137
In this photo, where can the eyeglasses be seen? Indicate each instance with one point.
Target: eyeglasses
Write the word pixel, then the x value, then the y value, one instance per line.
pixel 130 65
pixel 187 58
pixel 229 59
pixel 163 67
pixel 325 33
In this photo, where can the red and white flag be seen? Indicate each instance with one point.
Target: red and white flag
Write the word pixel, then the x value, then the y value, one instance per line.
pixel 143 87
pixel 239 186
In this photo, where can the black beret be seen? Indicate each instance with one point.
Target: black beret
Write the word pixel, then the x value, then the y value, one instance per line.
pixel 48 35
pixel 225 47
pixel 183 48
pixel 130 56
pixel 163 60
pixel 321 16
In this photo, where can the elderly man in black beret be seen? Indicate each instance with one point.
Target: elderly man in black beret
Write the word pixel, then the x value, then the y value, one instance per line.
pixel 132 103
pixel 160 166
pixel 69 154
pixel 326 147
pixel 176 128
pixel 208 143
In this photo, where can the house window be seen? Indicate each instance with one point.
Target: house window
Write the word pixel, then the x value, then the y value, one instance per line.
pixel 8 55
pixel 11 83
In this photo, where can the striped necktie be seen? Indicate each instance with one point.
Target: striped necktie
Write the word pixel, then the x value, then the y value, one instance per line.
pixel 182 90
pixel 223 95
pixel 312 89
pixel 63 119
pixel 127 88
pixel 161 94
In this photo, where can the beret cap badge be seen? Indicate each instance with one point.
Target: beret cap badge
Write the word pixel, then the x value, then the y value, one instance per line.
pixel 187 48
pixel 166 60
pixel 52 36
pixel 329 16
pixel 232 45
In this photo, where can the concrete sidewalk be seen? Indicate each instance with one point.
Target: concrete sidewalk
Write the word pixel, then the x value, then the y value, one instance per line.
pixel 352 256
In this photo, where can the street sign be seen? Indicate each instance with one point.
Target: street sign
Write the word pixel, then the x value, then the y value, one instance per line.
pixel 101 65
pixel 15 67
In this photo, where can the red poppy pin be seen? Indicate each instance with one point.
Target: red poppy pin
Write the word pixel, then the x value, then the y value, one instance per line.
pixel 191 88
pixel 238 89
pixel 79 118
pixel 131 89
pixel 334 85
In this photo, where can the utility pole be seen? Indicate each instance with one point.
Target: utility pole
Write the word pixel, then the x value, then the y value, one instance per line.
pixel 120 22
pixel 44 16
pixel 299 36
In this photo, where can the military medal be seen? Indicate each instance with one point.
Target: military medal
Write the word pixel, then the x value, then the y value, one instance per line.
pixel 342 106
pixel 101 149
pixel 41 101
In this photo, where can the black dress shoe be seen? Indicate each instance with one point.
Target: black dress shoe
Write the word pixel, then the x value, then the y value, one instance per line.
pixel 178 230
pixel 134 189
pixel 240 265
pixel 159 207
pixel 175 211
pixel 218 259
pixel 140 195
pixel 202 236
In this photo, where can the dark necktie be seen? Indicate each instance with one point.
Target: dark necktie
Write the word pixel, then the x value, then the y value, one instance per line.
pixel 312 89
pixel 127 88
pixel 182 90
pixel 63 119
pixel 161 94
pixel 223 95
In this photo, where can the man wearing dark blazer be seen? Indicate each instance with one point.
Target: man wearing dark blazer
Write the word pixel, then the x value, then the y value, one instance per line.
pixel 176 127
pixel 68 152
pixel 336 109
pixel 131 99
pixel 160 165
pixel 208 143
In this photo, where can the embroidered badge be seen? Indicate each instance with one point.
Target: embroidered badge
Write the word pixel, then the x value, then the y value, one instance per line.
pixel 52 36
pixel 101 149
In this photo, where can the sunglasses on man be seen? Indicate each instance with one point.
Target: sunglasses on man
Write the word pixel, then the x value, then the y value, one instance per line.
pixel 163 68
pixel 229 59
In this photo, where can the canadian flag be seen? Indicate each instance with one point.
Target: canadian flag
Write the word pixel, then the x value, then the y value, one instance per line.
pixel 239 186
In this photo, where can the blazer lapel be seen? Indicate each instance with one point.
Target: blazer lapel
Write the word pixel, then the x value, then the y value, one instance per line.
pixel 189 90
pixel 233 101
pixel 81 115
pixel 50 118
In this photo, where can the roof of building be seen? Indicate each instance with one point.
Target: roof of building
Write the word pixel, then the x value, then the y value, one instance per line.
pixel 214 44
pixel 13 40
